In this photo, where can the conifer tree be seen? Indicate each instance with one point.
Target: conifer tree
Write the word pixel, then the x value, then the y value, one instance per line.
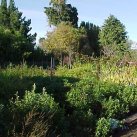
pixel 113 35
pixel 12 5
pixel 17 41
pixel 59 12
pixel 15 16
pixel 91 39
pixel 4 19
pixel 24 42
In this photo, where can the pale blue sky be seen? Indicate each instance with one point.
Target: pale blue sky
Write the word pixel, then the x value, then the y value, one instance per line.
pixel 94 11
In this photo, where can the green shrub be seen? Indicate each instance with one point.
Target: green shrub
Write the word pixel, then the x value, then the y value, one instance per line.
pixel 18 78
pixel 114 108
pixel 82 100
pixel 103 128
pixel 103 99
pixel 82 123
pixel 39 103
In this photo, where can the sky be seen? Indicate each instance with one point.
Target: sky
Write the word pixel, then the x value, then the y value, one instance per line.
pixel 94 11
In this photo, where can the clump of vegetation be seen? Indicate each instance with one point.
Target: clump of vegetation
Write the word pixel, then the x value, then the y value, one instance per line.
pixel 103 127
pixel 34 114
pixel 75 96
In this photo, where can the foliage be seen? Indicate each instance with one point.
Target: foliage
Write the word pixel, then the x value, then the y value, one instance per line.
pixel 113 33
pixel 31 100
pixel 16 42
pixel 61 12
pixel 39 103
pixel 21 76
pixel 90 42
pixel 103 127
pixel 77 95
pixel 64 38
pixel 4 13
pixel 86 100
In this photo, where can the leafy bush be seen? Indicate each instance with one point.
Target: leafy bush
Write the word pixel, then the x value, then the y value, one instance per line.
pixel 103 99
pixel 42 102
pixel 114 108
pixel 82 123
pixel 103 127
pixel 81 98
pixel 39 103
pixel 18 78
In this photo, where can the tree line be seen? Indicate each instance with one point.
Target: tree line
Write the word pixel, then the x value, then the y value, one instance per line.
pixel 92 40
pixel 18 44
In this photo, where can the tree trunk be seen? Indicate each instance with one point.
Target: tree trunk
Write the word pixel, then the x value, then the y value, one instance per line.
pixel 62 63
pixel 70 62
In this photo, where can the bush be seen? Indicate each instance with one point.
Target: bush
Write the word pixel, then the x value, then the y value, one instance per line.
pixel 103 99
pixel 40 103
pixel 81 98
pixel 103 127
pixel 18 78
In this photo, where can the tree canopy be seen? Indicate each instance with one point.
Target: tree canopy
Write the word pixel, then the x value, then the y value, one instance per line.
pixel 64 38
pixel 92 32
pixel 59 12
pixel 16 41
pixel 113 33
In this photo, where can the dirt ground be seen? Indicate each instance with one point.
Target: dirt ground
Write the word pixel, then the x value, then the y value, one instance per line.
pixel 132 132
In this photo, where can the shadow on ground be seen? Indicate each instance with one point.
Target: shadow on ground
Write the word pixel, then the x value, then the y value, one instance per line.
pixel 55 86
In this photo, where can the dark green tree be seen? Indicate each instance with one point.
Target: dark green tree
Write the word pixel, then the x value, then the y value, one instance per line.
pixel 15 16
pixel 4 18
pixel 59 12
pixel 113 34
pixel 91 39
pixel 17 42
pixel 6 38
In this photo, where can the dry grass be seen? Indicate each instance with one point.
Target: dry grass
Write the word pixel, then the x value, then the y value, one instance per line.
pixel 34 125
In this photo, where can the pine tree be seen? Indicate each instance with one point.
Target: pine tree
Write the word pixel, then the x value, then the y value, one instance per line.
pixel 113 35
pixel 21 27
pixel 92 32
pixel 12 5
pixel 16 41
pixel 61 12
pixel 4 19
pixel 15 16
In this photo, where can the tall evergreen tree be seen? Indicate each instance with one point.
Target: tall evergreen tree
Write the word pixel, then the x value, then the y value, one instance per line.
pixel 4 18
pixel 15 16
pixel 92 32
pixel 16 33
pixel 61 12
pixel 113 34
pixel 57 2
pixel 21 27
pixel 4 3
pixel 12 5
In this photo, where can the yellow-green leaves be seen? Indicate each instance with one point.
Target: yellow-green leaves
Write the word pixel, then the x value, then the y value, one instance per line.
pixel 64 38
